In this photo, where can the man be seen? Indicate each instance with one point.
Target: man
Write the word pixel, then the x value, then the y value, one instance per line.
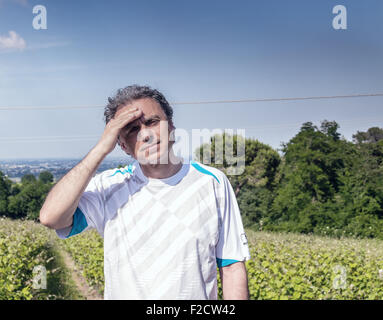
pixel 166 224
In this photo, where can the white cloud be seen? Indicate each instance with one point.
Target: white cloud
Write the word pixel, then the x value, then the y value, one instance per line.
pixel 12 41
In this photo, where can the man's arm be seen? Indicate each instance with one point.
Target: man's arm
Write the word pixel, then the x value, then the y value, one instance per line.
pixel 61 203
pixel 234 281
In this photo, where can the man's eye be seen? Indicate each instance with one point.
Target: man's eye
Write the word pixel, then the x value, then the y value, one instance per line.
pixel 134 129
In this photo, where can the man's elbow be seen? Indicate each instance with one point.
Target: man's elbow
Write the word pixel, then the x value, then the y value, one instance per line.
pixel 44 219
pixel 54 220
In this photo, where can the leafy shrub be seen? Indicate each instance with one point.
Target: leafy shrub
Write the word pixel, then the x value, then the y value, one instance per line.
pixel 87 250
pixel 292 266
pixel 23 246
pixel 282 266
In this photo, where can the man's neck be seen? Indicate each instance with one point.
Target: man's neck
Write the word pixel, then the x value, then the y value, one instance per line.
pixel 161 170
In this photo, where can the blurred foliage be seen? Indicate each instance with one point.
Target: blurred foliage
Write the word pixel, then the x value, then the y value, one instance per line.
pixel 25 245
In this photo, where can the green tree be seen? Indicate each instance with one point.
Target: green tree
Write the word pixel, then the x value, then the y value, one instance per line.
pixel 28 178
pixel 310 177
pixel 15 189
pixel 46 177
pixel 330 128
pixel 254 204
pixel 372 135
pixel 253 188
pixel 28 201
pixel 361 196
pixel 260 160
pixel 5 190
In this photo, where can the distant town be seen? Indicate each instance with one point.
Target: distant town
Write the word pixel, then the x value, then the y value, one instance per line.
pixel 15 169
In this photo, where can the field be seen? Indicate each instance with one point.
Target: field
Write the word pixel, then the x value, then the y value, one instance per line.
pixel 27 252
pixel 288 266
pixel 283 266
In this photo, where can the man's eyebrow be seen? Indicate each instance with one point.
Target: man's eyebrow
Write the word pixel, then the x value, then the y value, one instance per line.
pixel 155 117
pixel 133 124
pixel 129 126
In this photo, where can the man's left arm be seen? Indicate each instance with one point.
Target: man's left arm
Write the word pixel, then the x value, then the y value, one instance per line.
pixel 234 281
pixel 232 249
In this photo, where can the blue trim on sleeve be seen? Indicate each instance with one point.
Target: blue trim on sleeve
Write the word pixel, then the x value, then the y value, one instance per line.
pixel 79 223
pixel 129 170
pixel 225 262
pixel 203 170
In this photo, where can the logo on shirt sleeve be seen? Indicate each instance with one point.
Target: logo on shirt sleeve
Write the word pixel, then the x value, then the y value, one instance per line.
pixel 243 238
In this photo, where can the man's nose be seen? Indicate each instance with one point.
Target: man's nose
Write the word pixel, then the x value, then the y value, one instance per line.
pixel 147 135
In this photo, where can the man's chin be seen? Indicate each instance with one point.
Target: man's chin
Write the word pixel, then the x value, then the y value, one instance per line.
pixel 154 158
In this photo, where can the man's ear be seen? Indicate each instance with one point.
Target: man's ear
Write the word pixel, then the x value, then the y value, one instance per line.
pixel 122 145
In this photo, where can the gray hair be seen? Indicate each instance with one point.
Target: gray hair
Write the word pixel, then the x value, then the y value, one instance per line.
pixel 135 92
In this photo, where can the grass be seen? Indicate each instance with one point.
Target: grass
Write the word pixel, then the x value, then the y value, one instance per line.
pixel 60 283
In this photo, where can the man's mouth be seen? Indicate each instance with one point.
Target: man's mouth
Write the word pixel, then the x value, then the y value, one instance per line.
pixel 151 147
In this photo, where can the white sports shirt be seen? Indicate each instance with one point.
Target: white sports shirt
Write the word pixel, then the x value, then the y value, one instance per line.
pixel 163 238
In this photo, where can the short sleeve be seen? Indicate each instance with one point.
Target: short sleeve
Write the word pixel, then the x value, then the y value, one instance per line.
pixel 90 211
pixel 232 243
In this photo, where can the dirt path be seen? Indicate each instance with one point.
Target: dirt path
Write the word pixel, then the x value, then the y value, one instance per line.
pixel 83 287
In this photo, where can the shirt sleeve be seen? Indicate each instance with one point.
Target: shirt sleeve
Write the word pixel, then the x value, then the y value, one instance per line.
pixel 232 243
pixel 90 211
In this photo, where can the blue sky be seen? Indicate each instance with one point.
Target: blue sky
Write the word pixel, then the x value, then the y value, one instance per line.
pixel 190 51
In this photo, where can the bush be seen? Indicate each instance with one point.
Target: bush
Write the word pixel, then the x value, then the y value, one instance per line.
pixel 25 245
pixel 87 250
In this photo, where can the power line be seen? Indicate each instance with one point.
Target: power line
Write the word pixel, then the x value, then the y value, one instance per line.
pixel 287 99
pixel 207 102
pixel 346 123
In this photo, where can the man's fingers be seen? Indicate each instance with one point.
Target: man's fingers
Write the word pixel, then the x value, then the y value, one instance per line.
pixel 127 116
pixel 130 117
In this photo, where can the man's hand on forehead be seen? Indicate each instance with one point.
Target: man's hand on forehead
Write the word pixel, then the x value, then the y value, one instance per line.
pixel 111 134
pixel 126 109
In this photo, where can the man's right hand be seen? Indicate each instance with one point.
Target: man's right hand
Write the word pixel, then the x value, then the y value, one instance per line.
pixel 112 129
pixel 62 201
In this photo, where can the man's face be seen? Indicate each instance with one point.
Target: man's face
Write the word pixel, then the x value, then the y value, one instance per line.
pixel 147 138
